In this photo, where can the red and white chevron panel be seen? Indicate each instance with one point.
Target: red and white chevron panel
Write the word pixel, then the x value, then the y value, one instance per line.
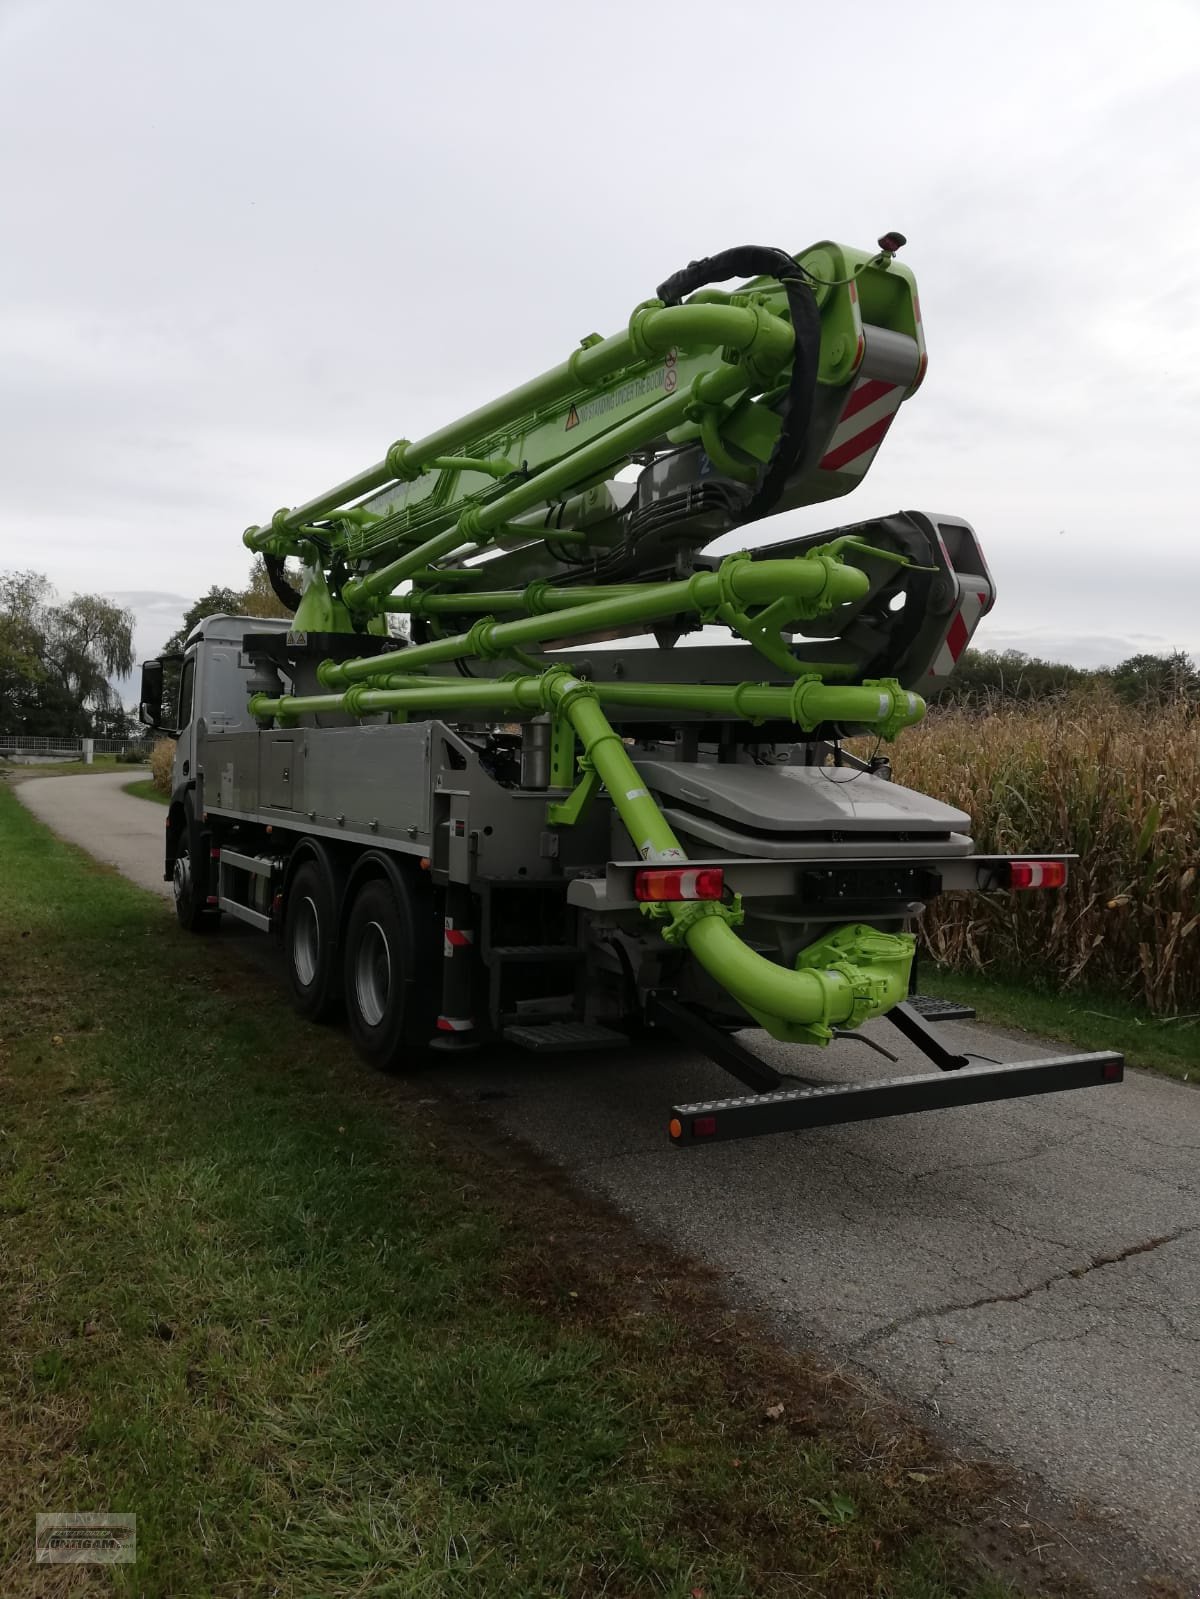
pixel 870 406
pixel 963 623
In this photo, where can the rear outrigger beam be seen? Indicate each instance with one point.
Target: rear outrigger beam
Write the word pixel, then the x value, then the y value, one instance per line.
pixel 827 1105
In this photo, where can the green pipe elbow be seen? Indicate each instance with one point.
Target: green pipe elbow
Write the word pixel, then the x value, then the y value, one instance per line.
pixel 843 979
pixel 818 999
pixel 764 339
pixel 822 578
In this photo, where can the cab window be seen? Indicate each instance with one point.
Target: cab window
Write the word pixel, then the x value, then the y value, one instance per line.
pixel 186 684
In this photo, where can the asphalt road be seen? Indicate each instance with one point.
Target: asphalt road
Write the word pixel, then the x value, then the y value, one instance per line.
pixel 1028 1273
pixel 93 811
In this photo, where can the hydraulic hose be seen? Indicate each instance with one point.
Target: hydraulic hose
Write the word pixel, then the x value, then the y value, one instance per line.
pixel 283 590
pixel 753 260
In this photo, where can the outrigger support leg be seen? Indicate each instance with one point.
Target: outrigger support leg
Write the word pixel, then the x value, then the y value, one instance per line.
pixel 721 1048
pixel 909 1021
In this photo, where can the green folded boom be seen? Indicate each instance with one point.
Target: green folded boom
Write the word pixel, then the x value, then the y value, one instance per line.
pixel 576 508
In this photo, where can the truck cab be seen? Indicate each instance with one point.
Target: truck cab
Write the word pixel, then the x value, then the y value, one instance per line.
pixel 203 689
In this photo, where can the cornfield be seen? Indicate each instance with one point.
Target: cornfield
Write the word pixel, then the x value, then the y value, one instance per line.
pixel 1117 784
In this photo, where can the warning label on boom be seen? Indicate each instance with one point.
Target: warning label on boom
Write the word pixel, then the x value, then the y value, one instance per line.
pixel 614 399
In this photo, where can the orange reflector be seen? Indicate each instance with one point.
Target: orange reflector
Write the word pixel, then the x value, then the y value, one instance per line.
pixel 1036 874
pixel 693 882
pixel 675 1127
pixel 423 863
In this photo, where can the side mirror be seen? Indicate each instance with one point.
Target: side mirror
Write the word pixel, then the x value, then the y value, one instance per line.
pixel 150 696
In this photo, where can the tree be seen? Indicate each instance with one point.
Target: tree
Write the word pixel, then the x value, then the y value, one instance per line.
pixel 1157 679
pixel 90 640
pixel 56 660
pixel 216 601
pixel 982 676
pixel 24 597
pixel 256 599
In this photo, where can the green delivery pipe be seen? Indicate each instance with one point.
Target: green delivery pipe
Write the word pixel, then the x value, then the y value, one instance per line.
pixel 588 366
pixel 653 330
pixel 489 601
pixel 822 580
pixel 806 703
pixel 796 998
pixel 765 342
pixel 779 997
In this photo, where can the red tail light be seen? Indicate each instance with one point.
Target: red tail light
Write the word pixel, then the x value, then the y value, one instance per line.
pixel 692 882
pixel 1036 874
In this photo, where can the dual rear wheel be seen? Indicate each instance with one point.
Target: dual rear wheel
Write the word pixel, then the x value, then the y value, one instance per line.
pixel 375 964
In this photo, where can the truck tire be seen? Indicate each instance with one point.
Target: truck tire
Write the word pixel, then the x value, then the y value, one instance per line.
pixel 189 877
pixel 310 944
pixel 386 975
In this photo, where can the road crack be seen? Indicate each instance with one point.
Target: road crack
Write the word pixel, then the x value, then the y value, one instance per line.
pixel 1096 1263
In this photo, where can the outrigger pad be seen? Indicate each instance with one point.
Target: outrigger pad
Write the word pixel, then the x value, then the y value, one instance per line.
pixel 827 1105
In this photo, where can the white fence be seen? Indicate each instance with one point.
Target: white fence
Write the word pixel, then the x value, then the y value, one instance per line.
pixel 20 747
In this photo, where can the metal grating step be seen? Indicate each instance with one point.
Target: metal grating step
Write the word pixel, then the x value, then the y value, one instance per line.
pixel 941 1010
pixel 563 1036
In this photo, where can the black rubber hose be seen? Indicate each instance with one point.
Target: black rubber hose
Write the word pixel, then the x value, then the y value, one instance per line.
pixel 743 261
pixel 751 261
pixel 283 590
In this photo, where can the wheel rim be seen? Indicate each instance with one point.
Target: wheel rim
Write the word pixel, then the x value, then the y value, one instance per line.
pixel 372 974
pixel 306 942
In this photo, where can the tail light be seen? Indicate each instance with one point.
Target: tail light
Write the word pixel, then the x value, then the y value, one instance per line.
pixel 693 882
pixel 1036 874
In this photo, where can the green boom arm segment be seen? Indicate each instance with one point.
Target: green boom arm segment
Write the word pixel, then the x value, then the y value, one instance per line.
pixel 577 506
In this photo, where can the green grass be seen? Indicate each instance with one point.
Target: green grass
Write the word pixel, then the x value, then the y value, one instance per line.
pixel 144 789
pixel 326 1340
pixel 1088 1021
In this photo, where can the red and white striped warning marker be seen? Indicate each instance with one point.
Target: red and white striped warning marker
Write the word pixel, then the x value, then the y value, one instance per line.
pixel 866 417
pixel 958 635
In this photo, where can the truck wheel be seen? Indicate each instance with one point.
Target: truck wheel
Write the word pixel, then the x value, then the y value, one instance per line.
pixel 386 977
pixel 189 878
pixel 310 945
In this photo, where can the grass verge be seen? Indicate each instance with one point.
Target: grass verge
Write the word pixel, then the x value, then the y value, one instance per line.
pixel 144 789
pixel 1089 1021
pixel 323 1335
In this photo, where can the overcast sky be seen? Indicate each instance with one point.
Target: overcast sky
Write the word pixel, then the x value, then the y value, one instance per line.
pixel 245 246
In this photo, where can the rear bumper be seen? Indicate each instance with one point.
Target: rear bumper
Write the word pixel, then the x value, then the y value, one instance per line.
pixel 800 877
pixel 826 1105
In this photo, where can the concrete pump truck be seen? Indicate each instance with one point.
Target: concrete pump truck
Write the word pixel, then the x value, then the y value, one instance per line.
pixel 499 827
